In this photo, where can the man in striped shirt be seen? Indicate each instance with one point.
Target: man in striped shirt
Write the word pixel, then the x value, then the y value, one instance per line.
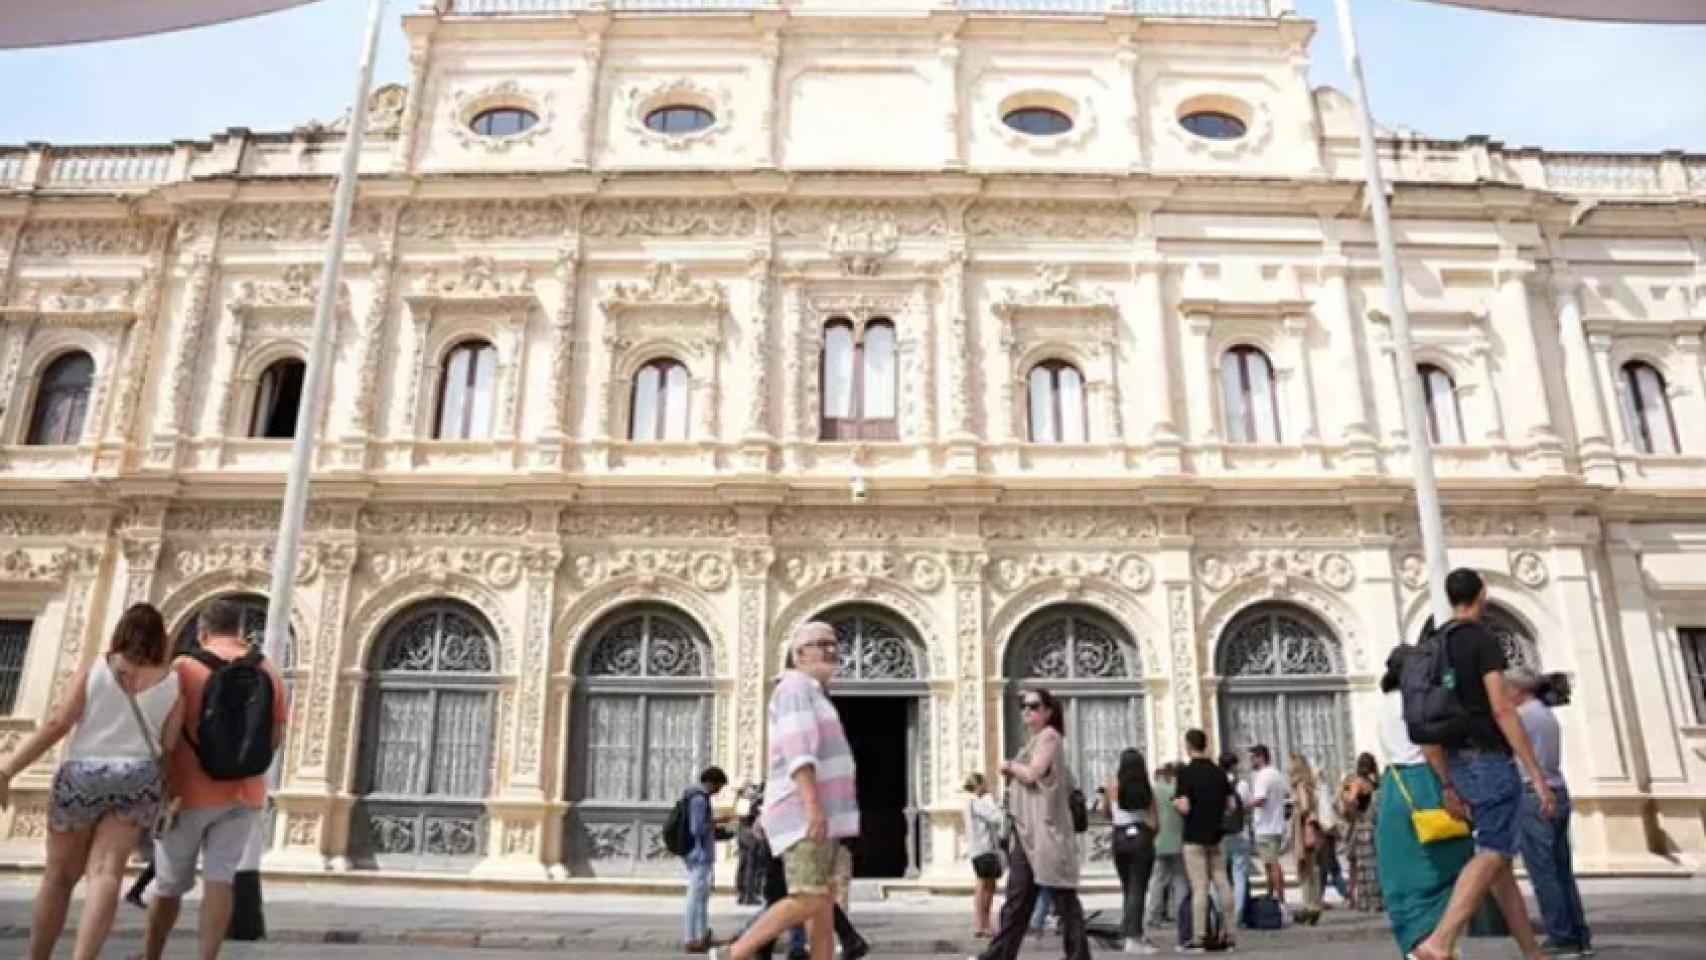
pixel 810 799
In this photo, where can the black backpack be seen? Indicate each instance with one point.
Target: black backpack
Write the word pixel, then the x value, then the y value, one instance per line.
pixel 234 732
pixel 1433 712
pixel 1233 819
pixel 677 827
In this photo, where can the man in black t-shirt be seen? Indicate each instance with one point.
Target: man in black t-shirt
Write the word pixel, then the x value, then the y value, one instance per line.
pixel 1479 776
pixel 1201 796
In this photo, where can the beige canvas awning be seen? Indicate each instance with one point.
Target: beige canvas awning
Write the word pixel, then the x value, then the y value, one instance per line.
pixel 1624 11
pixel 43 23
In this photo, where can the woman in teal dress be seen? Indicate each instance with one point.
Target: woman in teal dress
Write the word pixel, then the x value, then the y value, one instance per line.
pixel 1416 878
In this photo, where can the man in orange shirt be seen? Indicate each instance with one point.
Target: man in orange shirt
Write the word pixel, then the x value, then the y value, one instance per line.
pixel 215 817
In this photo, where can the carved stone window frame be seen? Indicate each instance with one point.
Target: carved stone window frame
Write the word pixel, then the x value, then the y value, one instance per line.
pixel 1279 328
pixel 1458 342
pixel 1674 350
pixel 642 99
pixel 1079 107
pixel 95 317
pixel 269 321
pixel 901 303
pixel 469 102
pixel 1055 320
pixel 1195 96
pixel 665 316
pixel 485 303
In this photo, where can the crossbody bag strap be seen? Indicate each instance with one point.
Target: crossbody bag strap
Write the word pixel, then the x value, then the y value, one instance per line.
pixel 1403 791
pixel 135 711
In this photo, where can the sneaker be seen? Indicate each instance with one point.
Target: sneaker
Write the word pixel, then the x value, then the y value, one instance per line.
pixel 717 953
pixel 1195 946
pixel 1141 948
pixel 1561 950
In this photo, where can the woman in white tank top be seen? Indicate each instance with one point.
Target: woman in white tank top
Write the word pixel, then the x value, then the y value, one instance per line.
pixel 127 715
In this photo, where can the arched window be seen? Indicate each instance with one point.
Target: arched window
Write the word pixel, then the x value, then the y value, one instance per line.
pixel 659 410
pixel 427 739
pixel 1283 685
pixel 859 380
pixel 62 401
pixel 465 392
pixel 276 401
pixel 1445 417
pixel 642 733
pixel 1091 664
pixel 1247 388
pixel 1646 408
pixel 1058 410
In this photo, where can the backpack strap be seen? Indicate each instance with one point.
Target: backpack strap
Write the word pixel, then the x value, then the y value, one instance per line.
pixel 207 658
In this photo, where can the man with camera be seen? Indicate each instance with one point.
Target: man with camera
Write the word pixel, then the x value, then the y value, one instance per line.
pixel 1545 843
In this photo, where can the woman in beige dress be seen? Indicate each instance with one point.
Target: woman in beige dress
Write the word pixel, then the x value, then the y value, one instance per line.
pixel 1306 837
pixel 1044 851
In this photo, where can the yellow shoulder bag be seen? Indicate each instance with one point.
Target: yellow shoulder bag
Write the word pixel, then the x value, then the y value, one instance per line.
pixel 1433 824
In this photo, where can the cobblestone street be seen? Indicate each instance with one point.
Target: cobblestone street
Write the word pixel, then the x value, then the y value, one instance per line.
pixel 1657 919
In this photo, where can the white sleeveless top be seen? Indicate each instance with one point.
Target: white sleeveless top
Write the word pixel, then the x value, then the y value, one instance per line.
pixel 108 730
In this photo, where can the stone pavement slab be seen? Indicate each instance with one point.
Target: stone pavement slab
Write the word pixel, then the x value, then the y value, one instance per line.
pixel 311 919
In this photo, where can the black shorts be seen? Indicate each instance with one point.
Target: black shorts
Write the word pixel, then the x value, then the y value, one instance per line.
pixel 987 866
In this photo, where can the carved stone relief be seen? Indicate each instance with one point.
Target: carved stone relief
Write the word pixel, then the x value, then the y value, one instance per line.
pixel 809 568
pixel 1071 524
pixel 659 524
pixel 1218 571
pixel 708 570
pixel 56 239
pixel 1009 574
pixel 499 567
pixel 667 218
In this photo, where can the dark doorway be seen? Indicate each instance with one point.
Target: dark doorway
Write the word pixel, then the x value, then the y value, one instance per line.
pixel 878 728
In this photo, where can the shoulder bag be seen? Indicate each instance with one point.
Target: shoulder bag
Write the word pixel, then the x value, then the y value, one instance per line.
pixel 167 812
pixel 1434 824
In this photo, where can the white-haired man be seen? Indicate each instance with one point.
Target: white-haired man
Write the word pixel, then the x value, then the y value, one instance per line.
pixel 810 797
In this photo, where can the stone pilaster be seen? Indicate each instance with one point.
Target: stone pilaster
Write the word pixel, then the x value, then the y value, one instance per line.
pixel 753 559
pixel 1514 318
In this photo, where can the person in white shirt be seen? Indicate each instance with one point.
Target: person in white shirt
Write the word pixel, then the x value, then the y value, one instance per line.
pixel 1268 795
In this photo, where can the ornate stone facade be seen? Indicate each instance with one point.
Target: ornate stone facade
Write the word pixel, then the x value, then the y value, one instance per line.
pixel 582 618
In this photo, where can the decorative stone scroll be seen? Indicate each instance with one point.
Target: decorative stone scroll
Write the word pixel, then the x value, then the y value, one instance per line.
pixel 1072 525
pixel 58 239
pixel 706 569
pixel 809 568
pixel 1242 526
pixel 1009 574
pixel 500 568
pixel 1219 571
pixel 241 557
pixel 451 522
pixel 25 566
pixel 660 524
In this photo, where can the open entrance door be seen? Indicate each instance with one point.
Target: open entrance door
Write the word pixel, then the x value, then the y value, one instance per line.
pixel 882 732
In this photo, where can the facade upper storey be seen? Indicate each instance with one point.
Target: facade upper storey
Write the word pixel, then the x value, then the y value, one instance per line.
pixel 1023 238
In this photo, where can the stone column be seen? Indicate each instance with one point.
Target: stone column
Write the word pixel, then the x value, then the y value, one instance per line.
pixel 768 79
pixel 180 375
pixel 757 436
pixel 960 365
pixel 1516 319
pixel 1691 430
pixel 551 452
pixel 1335 310
pixel 1611 386
pixel 1186 652
pixel 1482 351
pixel 1301 373
pixel 1587 402
pixel 1642 654
pixel 753 559
pixel 1202 386
pixel 1156 360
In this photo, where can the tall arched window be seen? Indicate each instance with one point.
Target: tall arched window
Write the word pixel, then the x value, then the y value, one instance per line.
pixel 62 401
pixel 1058 411
pixel 1247 389
pixel 1091 664
pixel 1283 685
pixel 276 401
pixel 659 410
pixel 465 391
pixel 641 735
pixel 859 384
pixel 1445 416
pixel 427 739
pixel 1646 408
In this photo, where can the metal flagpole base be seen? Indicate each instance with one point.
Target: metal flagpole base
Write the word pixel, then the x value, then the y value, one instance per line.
pixel 248 919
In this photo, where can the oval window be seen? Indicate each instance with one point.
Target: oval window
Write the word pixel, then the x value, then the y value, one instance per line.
pixel 1038 121
pixel 503 122
pixel 1213 125
pixel 679 119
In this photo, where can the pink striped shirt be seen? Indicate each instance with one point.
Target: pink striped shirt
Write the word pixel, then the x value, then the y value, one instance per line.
pixel 805 731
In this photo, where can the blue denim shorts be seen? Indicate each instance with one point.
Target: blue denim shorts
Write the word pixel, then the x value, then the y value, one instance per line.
pixel 1490 785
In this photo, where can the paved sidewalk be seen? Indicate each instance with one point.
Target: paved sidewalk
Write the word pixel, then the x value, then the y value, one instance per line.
pixel 635 926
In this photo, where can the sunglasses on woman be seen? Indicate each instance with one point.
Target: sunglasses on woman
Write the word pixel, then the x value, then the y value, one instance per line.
pixel 1030 704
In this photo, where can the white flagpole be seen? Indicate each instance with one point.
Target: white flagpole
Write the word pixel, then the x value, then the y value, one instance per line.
pixel 281 597
pixel 1409 385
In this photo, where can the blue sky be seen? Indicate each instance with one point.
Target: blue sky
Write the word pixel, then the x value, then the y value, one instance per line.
pixel 1442 71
